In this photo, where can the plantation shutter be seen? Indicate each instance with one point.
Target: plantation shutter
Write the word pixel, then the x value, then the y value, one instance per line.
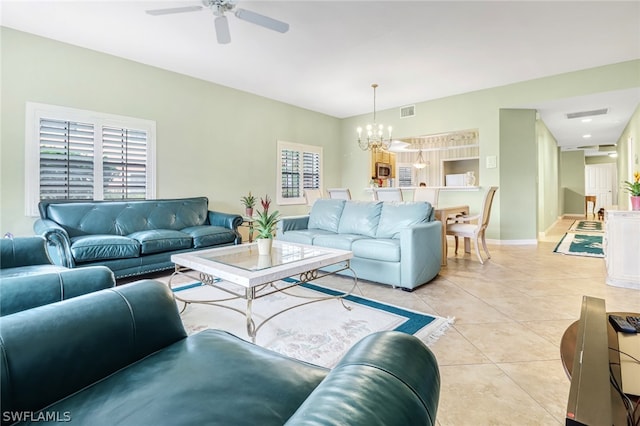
pixel 124 163
pixel 66 160
pixel 311 170
pixel 290 170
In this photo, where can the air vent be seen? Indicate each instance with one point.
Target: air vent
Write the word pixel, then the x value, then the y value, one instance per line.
pixel 408 111
pixel 583 114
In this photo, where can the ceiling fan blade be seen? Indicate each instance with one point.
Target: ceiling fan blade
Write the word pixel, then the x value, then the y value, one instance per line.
pixel 158 12
pixel 263 21
pixel 222 30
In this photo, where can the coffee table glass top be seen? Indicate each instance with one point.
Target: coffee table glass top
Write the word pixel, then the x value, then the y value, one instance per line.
pixel 246 256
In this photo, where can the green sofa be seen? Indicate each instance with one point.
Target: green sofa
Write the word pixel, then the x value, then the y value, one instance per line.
pixel 28 278
pixel 132 237
pixel 121 357
pixel 393 243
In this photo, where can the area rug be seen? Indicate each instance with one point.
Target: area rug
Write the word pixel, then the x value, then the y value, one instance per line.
pixel 580 245
pixel 319 332
pixel 586 226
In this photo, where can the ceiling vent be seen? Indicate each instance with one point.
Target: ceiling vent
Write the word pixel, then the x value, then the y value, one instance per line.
pixel 408 111
pixel 583 114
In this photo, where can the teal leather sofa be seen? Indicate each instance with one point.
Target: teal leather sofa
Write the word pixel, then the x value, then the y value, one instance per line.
pixel 28 278
pixel 122 357
pixel 132 237
pixel 393 243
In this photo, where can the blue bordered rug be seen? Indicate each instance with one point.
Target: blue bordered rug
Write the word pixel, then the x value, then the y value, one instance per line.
pixel 319 332
pixel 580 245
pixel 586 226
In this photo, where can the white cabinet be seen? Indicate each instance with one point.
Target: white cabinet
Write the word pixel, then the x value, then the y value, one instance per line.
pixel 622 248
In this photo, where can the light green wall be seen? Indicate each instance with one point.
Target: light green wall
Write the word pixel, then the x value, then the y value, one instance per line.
pixel 211 140
pixel 548 178
pixel 632 131
pixel 518 179
pixel 572 182
pixel 220 142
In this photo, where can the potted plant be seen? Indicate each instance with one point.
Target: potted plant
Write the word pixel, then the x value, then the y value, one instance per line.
pixel 634 189
pixel 249 202
pixel 265 225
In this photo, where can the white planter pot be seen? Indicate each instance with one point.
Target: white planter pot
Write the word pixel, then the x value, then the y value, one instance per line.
pixel 264 261
pixel 264 246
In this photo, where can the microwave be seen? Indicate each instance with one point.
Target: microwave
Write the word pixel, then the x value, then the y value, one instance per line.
pixel 383 170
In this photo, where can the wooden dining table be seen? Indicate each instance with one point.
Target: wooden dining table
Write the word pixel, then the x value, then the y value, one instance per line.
pixel 442 213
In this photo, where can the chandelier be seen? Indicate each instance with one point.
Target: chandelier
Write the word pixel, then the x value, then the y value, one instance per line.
pixel 374 139
pixel 420 163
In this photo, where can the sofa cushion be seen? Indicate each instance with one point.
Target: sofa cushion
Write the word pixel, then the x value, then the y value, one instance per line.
pixel 337 241
pixel 126 217
pixel 159 240
pixel 325 215
pixel 89 248
pixel 396 216
pixel 384 249
pixel 303 236
pixel 360 218
pixel 207 235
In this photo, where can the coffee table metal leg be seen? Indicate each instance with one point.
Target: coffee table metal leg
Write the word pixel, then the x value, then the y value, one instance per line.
pixel 184 302
pixel 251 326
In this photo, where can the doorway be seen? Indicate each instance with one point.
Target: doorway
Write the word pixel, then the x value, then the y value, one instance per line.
pixel 600 181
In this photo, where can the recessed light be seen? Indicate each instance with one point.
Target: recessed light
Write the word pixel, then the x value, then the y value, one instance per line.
pixel 586 120
pixel 587 136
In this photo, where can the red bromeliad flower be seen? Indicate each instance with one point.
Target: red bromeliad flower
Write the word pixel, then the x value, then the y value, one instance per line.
pixel 266 202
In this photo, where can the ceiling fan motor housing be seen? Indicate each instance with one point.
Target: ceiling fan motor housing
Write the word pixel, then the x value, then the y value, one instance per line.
pixel 219 7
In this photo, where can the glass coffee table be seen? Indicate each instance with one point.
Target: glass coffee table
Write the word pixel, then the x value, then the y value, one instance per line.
pixel 243 274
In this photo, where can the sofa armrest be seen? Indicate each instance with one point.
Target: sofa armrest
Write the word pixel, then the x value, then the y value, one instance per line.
pixel 58 242
pixel 388 378
pixel 63 347
pixel 421 248
pixel 292 223
pixel 23 251
pixel 28 291
pixel 226 220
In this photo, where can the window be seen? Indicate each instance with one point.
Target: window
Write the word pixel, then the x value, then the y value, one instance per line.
pixel 83 155
pixel 299 168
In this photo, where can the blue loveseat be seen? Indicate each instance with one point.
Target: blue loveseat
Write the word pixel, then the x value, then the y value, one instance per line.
pixel 122 357
pixel 28 278
pixel 132 237
pixel 392 243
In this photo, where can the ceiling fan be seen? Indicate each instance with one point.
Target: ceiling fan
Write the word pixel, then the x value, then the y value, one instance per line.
pixel 219 8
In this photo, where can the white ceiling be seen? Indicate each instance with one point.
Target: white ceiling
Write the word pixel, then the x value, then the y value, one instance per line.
pixel 415 50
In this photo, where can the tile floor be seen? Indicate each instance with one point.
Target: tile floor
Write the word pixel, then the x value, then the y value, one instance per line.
pixel 500 362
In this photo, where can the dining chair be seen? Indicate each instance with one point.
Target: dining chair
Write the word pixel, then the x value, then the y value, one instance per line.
pixel 311 195
pixel 462 226
pixel 427 194
pixel 339 193
pixel 387 194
